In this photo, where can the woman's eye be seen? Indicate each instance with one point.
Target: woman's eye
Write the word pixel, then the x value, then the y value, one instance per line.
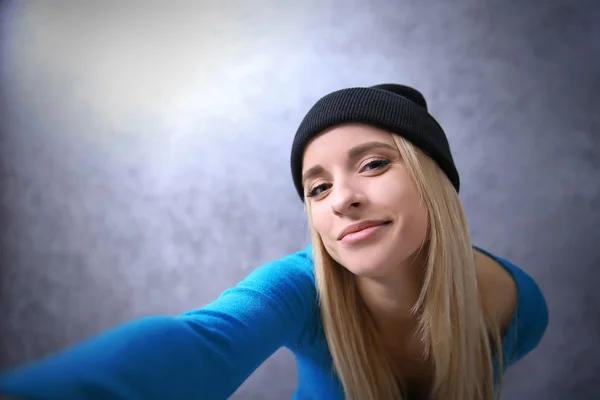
pixel 370 166
pixel 376 164
pixel 317 190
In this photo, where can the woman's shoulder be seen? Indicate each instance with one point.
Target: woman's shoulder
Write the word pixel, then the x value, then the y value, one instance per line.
pixel 288 281
pixel 517 300
pixel 289 284
pixel 295 269
pixel 498 285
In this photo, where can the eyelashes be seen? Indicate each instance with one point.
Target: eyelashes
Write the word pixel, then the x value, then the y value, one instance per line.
pixel 377 164
pixel 373 165
pixel 315 191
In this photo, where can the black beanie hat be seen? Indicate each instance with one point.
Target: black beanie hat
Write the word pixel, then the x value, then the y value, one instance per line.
pixel 395 108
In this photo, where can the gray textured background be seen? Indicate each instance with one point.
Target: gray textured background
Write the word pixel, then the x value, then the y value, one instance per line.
pixel 145 155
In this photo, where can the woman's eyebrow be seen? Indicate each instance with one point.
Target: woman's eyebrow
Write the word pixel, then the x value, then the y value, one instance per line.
pixel 359 150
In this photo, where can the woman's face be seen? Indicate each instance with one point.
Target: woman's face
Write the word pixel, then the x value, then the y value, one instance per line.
pixel 355 179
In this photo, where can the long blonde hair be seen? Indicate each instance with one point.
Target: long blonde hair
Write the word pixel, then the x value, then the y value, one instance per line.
pixel 456 328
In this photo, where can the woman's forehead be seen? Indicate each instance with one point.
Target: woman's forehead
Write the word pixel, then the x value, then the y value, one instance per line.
pixel 339 140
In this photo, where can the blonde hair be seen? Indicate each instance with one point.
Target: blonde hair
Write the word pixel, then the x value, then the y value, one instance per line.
pixel 455 325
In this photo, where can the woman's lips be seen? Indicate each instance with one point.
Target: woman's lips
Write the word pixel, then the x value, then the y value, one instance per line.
pixel 362 231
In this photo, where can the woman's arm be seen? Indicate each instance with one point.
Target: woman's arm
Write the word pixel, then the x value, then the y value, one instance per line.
pixel 207 353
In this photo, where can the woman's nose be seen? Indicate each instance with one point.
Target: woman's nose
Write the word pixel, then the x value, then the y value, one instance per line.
pixel 345 200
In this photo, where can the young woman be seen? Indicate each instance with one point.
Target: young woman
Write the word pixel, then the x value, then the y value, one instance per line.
pixel 390 301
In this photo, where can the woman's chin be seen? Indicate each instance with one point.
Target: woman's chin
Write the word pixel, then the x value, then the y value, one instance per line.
pixel 365 266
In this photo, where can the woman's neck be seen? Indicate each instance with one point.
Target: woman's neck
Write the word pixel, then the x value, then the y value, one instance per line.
pixel 391 299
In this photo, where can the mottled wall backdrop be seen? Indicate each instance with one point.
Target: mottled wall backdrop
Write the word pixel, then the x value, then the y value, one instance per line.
pixel 145 154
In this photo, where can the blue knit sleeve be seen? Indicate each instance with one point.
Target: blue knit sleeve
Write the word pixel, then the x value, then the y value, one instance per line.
pixel 202 354
pixel 531 318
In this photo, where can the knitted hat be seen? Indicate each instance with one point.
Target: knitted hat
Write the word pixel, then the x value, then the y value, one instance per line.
pixel 395 108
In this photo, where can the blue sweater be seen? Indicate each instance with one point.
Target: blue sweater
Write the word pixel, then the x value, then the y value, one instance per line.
pixel 209 352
